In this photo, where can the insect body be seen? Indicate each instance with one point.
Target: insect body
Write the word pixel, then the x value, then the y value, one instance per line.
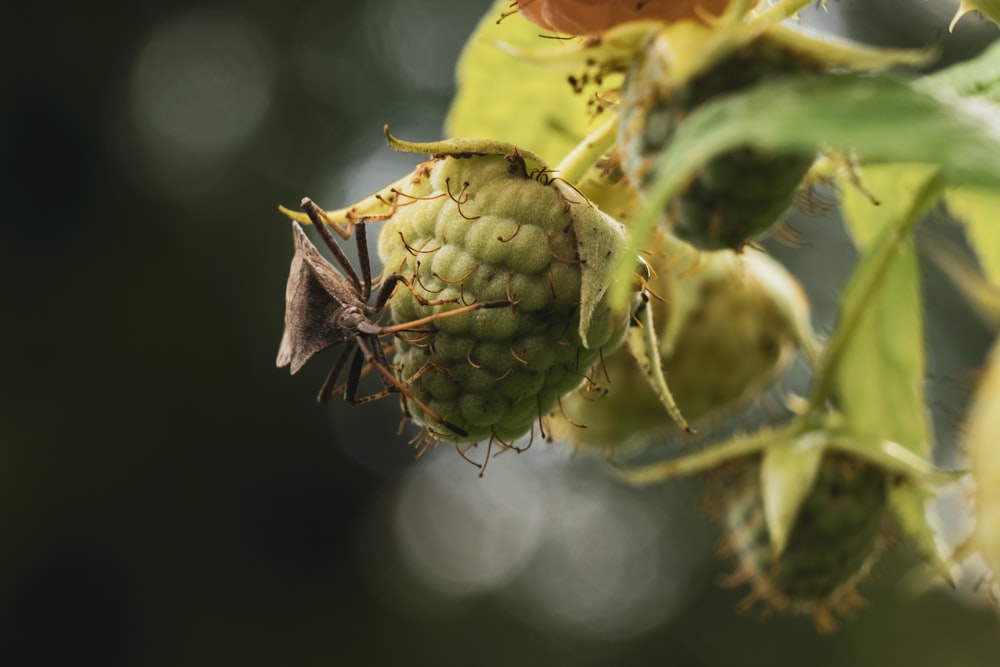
pixel 323 308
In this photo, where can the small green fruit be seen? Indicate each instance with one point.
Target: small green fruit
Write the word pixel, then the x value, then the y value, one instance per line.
pixel 490 225
pixel 737 195
pixel 728 326
pixel 837 536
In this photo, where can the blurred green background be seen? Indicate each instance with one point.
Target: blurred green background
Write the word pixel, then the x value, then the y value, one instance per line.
pixel 169 497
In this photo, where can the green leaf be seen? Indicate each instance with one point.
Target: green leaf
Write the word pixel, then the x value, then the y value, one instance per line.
pixel 893 185
pixel 501 97
pixel 980 211
pixel 979 77
pixel 983 445
pixel 988 8
pixel 958 267
pixel 879 117
pixel 875 364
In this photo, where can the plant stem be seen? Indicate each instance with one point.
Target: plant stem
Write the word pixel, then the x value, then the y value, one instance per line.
pixel 706 459
pixel 574 166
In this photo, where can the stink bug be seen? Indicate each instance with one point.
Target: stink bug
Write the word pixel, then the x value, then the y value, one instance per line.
pixel 323 308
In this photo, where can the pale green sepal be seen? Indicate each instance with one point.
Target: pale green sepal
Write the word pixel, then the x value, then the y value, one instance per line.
pixel 374 206
pixel 791 302
pixel 983 445
pixel 465 147
pixel 909 505
pixel 787 475
pixel 644 346
pixel 988 8
pixel 896 459
pixel 599 241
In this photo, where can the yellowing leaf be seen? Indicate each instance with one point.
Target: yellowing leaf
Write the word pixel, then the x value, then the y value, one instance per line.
pixel 504 98
pixel 893 185
pixel 980 211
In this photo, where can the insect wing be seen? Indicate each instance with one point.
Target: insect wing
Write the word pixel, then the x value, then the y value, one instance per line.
pixel 315 294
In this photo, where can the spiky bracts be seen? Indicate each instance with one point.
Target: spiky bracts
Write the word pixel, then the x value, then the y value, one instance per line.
pixel 808 508
pixel 839 533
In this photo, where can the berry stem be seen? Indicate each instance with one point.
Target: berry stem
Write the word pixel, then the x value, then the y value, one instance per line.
pixel 705 459
pixel 578 161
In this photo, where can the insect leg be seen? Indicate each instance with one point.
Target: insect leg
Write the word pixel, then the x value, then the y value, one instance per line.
pixel 386 290
pixel 411 325
pixel 330 387
pixel 389 376
pixel 361 238
pixel 354 376
pixel 316 215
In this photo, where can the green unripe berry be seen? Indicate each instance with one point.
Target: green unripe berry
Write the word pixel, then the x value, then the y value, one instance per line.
pixel 728 326
pixel 838 535
pixel 737 195
pixel 491 227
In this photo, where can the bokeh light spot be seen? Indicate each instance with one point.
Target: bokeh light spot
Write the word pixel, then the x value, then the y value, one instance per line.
pixel 412 42
pixel 464 534
pixel 554 537
pixel 201 86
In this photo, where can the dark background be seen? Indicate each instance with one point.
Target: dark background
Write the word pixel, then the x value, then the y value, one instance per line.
pixel 167 496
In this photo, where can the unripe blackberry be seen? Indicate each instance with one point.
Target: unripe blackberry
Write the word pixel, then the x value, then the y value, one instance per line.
pixel 728 326
pixel 809 507
pixel 839 533
pixel 739 194
pixel 494 228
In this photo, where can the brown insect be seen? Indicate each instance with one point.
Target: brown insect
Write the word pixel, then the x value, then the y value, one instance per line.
pixel 324 308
